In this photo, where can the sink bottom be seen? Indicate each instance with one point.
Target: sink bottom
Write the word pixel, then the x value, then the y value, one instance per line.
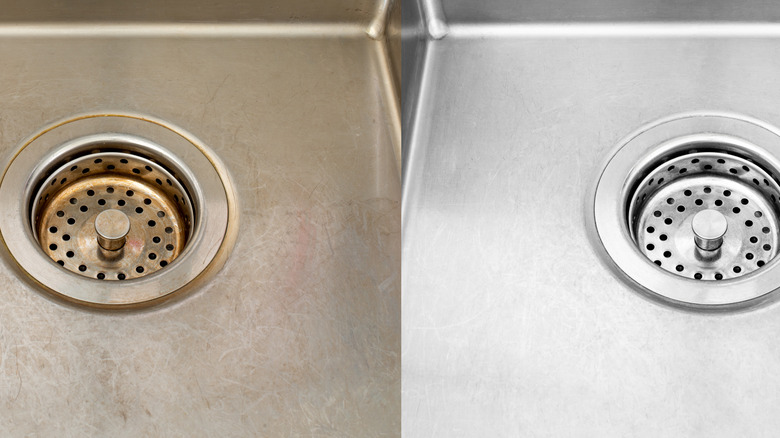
pixel 299 333
pixel 509 316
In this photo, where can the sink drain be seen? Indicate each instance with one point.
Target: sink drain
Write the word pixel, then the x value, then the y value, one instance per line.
pixel 706 215
pixel 110 217
pixel 687 208
pixel 141 198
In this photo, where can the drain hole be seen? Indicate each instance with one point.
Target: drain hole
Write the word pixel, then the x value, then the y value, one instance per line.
pixel 760 263
pixel 719 276
pixel 164 263
pixel 60 262
pixel 711 194
pixel 649 230
pixel 81 198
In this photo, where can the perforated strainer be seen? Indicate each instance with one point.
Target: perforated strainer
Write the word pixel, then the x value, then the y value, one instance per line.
pixel 713 187
pixel 144 193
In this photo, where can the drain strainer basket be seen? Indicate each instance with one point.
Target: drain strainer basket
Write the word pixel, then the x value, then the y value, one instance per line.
pixel 117 210
pixel 687 209
pixel 75 205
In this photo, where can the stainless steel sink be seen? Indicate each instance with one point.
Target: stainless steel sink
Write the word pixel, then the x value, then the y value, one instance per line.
pixel 514 323
pixel 299 333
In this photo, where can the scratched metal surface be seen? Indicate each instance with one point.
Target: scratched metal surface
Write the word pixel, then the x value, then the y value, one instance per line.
pixel 511 324
pixel 299 334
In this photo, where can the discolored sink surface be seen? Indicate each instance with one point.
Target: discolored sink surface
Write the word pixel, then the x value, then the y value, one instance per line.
pixel 299 334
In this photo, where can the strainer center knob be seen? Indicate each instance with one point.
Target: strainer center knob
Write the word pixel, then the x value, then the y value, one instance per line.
pixel 709 227
pixel 112 227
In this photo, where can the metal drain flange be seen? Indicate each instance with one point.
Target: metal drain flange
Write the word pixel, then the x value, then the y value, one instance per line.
pixel 687 208
pixel 111 215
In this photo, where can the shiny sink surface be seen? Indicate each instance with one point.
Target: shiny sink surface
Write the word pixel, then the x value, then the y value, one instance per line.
pixel 299 333
pixel 513 323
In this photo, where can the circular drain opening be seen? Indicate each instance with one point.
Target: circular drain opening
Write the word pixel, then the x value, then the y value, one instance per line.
pixel 117 211
pixel 706 215
pixel 687 209
pixel 100 191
